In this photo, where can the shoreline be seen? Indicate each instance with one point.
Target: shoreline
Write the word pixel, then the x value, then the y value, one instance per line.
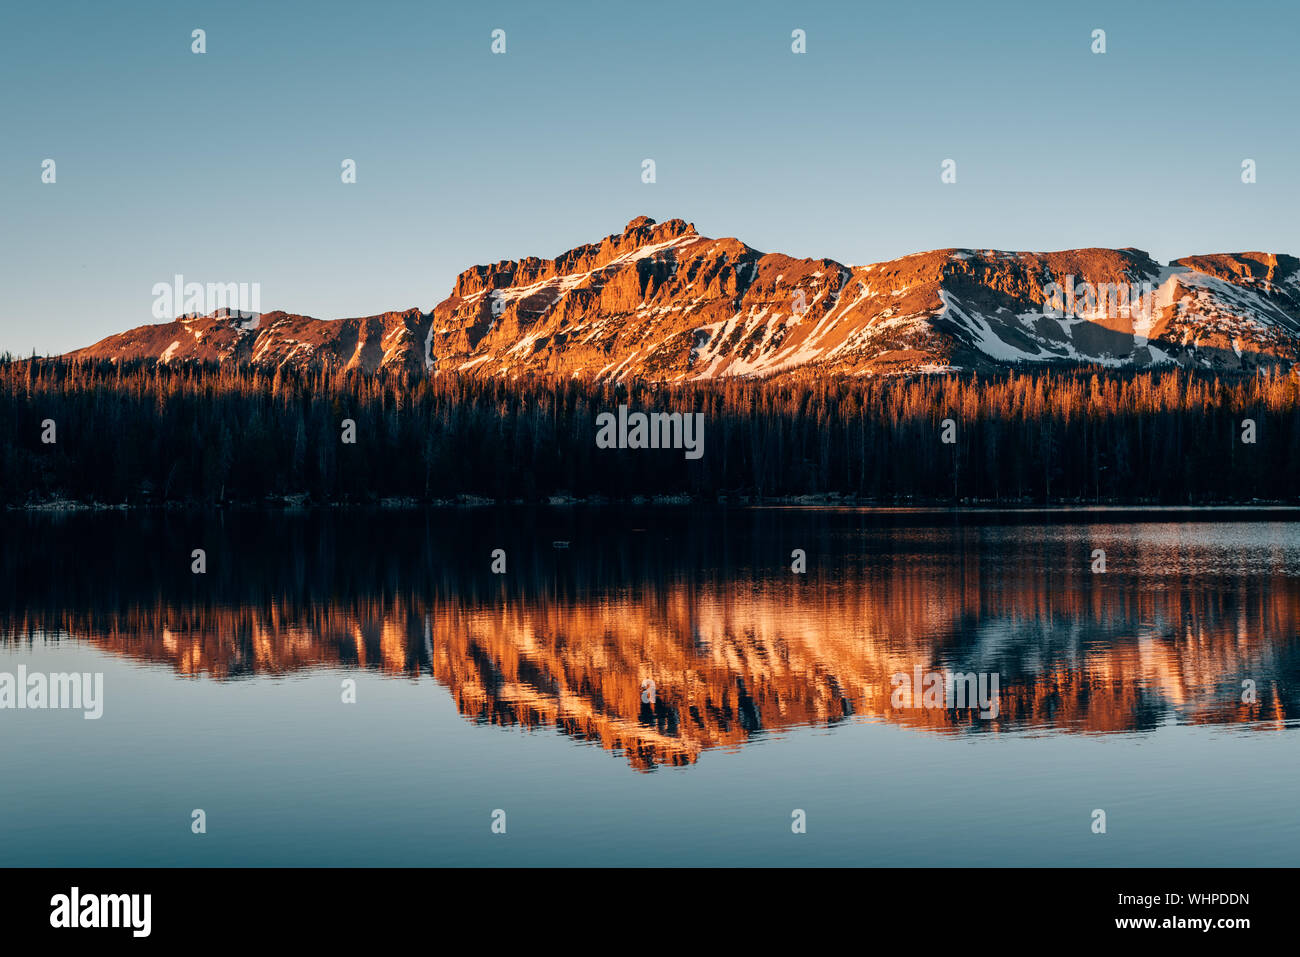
pixel 739 502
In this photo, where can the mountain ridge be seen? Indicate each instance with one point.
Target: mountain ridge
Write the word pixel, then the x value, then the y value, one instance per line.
pixel 659 301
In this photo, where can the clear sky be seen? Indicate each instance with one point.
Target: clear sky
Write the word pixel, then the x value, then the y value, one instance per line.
pixel 225 167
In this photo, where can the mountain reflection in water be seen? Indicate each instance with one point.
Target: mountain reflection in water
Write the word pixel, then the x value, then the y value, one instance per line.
pixel 1193 610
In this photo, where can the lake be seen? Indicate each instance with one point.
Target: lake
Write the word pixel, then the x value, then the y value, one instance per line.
pixel 358 687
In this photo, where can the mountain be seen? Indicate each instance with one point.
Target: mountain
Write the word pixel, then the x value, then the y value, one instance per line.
pixel 659 301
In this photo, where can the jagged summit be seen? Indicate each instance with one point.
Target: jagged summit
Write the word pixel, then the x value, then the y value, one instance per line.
pixel 640 233
pixel 660 301
pixel 676 227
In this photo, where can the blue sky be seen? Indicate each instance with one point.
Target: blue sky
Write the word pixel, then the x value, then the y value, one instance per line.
pixel 224 167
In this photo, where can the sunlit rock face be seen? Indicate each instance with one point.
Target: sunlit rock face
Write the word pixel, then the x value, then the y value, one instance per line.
pixel 659 301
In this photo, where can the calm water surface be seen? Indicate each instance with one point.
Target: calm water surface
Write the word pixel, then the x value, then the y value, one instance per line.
pixel 1120 691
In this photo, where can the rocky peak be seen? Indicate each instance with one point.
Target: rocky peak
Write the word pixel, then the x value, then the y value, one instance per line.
pixel 645 229
pixel 1244 267
pixel 638 234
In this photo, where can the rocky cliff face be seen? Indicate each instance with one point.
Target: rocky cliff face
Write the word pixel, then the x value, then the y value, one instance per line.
pixel 659 301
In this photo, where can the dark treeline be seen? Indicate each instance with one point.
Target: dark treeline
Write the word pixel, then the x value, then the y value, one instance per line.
pixel 143 433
